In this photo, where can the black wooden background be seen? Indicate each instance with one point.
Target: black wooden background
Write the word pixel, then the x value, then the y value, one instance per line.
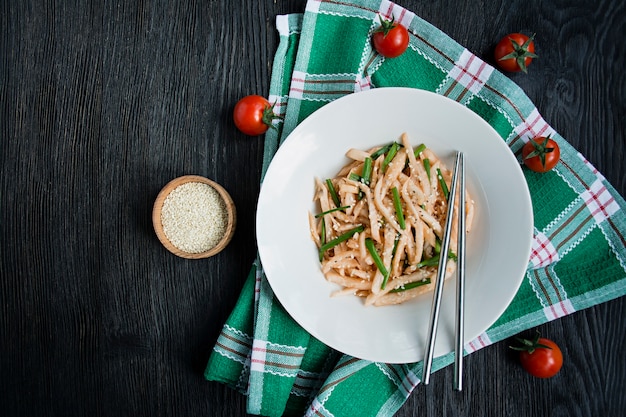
pixel 103 102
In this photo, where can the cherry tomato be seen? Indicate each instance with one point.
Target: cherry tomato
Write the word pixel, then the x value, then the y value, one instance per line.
pixel 253 115
pixel 391 39
pixel 515 52
pixel 540 357
pixel 541 154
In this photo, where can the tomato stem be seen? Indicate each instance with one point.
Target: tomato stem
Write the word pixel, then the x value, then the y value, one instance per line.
pixel 529 345
pixel 520 53
pixel 540 150
pixel 386 25
pixel 269 116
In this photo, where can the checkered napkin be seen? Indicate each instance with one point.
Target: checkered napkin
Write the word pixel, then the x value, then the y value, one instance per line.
pixel 578 251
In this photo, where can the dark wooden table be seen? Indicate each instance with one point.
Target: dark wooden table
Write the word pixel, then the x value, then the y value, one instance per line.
pixel 103 102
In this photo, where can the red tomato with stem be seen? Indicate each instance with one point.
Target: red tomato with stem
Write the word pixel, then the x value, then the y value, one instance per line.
pixel 541 154
pixel 540 357
pixel 515 52
pixel 390 39
pixel 253 115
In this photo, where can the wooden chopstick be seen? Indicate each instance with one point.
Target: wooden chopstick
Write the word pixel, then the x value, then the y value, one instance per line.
pixel 441 273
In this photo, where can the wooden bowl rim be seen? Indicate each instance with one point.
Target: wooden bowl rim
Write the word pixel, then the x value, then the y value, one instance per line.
pixel 158 225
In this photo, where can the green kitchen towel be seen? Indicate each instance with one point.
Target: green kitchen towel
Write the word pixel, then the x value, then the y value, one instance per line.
pixel 578 250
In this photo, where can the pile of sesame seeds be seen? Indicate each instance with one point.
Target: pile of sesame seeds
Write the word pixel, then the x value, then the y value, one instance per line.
pixel 194 217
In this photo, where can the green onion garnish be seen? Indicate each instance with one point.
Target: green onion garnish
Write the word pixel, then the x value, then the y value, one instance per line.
pixel 442 183
pixel 434 261
pixel 429 262
pixel 339 239
pixel 398 206
pixel 395 245
pixel 369 244
pixel 367 171
pixel 411 285
pixel 396 241
pixel 366 175
pixel 317 216
pixel 390 155
pixel 419 150
pixel 333 192
pixel 381 151
pixel 427 167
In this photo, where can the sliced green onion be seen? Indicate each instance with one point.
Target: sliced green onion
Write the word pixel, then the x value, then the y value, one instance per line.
pixel 429 262
pixel 390 155
pixel 333 192
pixel 339 239
pixel 419 150
pixel 437 246
pixel 367 171
pixel 396 241
pixel 398 206
pixel 317 216
pixel 411 285
pixel 369 244
pixel 442 183
pixel 384 283
pixel 427 167
pixel 434 261
pixel 366 175
pixel 395 245
pixel 381 151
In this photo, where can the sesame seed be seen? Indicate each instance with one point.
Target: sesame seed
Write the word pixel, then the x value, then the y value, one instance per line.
pixel 194 217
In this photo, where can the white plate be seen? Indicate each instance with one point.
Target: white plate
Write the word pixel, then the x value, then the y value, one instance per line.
pixel 498 245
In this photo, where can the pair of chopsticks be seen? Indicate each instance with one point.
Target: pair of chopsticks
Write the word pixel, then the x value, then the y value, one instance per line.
pixel 459 166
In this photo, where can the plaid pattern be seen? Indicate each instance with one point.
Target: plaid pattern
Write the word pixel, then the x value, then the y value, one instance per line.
pixel 578 253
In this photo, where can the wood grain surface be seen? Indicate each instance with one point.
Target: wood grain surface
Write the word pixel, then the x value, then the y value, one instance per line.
pixel 104 102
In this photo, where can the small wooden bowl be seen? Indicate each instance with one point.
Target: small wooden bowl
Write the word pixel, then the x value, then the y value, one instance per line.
pixel 158 225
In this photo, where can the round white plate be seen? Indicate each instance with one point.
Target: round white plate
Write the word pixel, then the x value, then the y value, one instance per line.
pixel 498 246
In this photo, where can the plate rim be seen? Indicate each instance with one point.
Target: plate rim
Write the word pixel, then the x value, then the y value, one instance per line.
pixel 311 119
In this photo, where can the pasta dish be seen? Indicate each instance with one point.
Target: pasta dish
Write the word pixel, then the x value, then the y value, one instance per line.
pixel 380 223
